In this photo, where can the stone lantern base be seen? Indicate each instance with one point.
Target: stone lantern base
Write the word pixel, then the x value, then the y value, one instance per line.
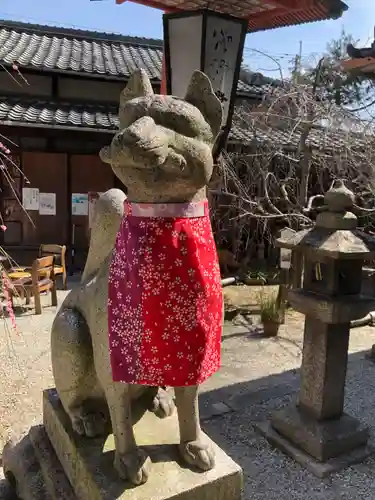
pixel 316 432
pixel 320 447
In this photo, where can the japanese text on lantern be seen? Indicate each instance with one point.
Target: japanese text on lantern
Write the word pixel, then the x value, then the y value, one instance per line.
pixel 222 43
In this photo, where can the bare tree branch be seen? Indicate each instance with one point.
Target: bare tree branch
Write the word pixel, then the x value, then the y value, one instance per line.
pixel 298 143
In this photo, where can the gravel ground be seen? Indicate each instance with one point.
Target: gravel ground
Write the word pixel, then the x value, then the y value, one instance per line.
pixel 271 475
pixel 257 375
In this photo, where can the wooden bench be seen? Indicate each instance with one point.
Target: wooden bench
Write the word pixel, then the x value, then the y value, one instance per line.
pixel 42 279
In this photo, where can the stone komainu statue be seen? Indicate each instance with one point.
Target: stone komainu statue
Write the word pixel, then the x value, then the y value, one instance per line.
pixel 148 312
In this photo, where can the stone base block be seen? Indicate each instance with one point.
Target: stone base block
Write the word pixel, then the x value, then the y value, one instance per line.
pixel 322 440
pixel 33 469
pixel 66 466
pixel 319 469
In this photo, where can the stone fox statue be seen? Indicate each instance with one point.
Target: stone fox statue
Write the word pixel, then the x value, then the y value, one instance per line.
pixel 148 313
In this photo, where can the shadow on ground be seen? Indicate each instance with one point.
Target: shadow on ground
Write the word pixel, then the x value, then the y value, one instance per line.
pixel 228 416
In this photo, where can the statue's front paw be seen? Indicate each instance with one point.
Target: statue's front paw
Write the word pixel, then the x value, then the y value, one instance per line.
pixel 133 466
pixel 197 454
pixel 163 405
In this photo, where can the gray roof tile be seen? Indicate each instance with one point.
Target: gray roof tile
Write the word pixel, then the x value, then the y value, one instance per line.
pixel 65 51
pixel 92 116
pixel 320 138
pixel 36 112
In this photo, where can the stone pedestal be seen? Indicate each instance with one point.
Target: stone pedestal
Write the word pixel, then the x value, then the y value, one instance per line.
pixel 75 468
pixel 316 432
pixel 294 427
pixel 323 371
pixel 318 425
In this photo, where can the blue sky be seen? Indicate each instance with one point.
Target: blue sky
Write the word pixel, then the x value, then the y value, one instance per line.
pixel 136 20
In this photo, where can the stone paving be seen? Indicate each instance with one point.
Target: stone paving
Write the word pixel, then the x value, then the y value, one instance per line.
pixel 257 376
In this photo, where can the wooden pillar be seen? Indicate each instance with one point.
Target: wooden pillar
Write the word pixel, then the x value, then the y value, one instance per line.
pixel 69 243
pixel 163 86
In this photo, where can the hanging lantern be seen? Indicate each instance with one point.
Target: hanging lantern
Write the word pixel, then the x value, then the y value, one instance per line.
pixel 208 41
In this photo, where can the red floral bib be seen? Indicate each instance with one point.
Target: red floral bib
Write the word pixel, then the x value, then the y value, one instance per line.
pixel 165 296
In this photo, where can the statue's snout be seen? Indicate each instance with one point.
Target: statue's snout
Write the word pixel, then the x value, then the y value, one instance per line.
pixel 140 132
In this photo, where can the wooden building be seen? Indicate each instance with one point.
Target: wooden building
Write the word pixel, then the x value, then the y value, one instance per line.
pixel 58 109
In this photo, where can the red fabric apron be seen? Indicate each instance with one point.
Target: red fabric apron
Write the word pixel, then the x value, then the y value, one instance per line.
pixel 165 296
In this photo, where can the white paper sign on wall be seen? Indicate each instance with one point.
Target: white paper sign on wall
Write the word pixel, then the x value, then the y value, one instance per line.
pixel 80 204
pixel 47 203
pixel 30 198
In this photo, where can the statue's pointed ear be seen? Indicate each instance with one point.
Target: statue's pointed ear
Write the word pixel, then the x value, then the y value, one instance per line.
pixel 201 95
pixel 139 85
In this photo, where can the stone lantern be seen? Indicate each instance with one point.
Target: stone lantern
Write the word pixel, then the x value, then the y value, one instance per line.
pixel 316 431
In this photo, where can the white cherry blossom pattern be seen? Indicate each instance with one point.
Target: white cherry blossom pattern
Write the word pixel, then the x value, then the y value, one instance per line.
pixel 165 301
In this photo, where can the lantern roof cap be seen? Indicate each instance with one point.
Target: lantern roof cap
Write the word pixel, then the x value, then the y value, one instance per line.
pixel 335 233
pixel 339 244
pixel 338 198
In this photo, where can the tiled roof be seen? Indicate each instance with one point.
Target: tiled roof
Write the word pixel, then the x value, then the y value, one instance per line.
pixel 47 48
pixel 79 34
pixel 37 112
pixel 19 111
pixel 252 90
pixel 86 52
pixel 319 138
pixel 262 15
